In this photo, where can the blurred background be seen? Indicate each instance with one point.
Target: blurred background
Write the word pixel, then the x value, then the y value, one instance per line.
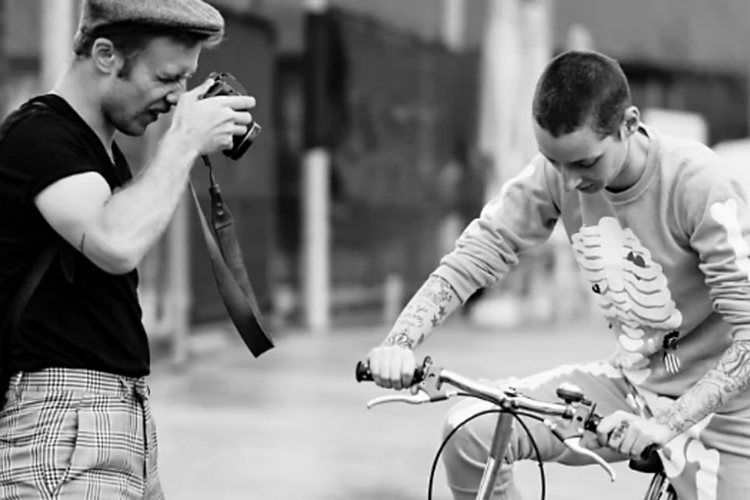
pixel 387 124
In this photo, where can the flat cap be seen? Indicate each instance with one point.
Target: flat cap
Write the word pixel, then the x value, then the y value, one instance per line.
pixel 176 15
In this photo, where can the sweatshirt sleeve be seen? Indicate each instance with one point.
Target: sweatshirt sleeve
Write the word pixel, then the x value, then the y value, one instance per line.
pixel 717 221
pixel 521 216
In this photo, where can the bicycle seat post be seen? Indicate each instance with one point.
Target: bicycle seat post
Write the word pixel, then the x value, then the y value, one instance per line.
pixel 500 441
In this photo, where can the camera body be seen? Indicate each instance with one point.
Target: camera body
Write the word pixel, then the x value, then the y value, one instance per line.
pixel 226 84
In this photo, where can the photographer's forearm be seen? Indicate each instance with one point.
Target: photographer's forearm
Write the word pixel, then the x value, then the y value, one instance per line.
pixel 135 217
pixel 433 302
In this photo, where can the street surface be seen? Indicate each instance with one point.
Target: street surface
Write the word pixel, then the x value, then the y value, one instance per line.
pixel 294 425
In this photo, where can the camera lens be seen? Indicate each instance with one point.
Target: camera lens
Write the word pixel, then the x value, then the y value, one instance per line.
pixel 243 143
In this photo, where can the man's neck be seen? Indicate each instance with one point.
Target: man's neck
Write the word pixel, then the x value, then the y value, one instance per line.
pixel 76 90
pixel 635 163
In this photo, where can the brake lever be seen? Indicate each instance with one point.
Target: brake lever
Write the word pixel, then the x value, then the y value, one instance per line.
pixel 574 444
pixel 412 399
pixel 570 432
pixel 427 391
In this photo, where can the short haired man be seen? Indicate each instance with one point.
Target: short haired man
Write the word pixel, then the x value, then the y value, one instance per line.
pixel 661 229
pixel 77 422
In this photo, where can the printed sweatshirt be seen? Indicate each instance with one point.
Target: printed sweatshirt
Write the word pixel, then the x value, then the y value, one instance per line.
pixel 668 260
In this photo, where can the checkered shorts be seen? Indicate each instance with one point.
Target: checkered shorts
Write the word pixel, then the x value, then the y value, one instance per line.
pixel 77 434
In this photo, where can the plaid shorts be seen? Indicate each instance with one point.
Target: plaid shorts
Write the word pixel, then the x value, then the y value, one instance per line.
pixel 80 434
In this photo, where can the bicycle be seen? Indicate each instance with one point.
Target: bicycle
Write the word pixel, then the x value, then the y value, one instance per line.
pixel 574 415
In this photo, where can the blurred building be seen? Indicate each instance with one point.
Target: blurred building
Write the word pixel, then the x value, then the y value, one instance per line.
pixel 680 54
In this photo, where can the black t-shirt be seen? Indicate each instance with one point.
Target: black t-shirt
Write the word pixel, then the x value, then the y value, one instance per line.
pixel 79 316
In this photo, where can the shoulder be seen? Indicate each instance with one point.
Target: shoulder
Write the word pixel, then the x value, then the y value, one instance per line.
pixel 541 168
pixel 36 128
pixel 50 109
pixel 537 172
pixel 549 173
pixel 689 158
pixel 694 168
pixel 40 145
pixel 700 180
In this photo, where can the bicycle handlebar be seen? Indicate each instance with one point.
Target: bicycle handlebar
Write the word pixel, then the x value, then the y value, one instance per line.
pixel 363 373
pixel 510 400
pixel 498 396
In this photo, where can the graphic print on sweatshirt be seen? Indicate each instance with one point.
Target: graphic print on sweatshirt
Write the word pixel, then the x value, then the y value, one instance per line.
pixel 633 294
pixel 726 215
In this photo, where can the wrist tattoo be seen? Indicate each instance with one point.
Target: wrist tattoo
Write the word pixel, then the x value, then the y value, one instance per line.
pixel 400 339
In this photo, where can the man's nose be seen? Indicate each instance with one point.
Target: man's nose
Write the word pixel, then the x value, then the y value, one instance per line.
pixel 175 93
pixel 570 179
pixel 172 98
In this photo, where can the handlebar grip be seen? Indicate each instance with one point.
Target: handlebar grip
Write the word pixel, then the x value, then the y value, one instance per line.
pixel 650 461
pixel 363 374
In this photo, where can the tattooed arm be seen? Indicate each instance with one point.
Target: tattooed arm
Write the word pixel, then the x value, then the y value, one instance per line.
pixel 393 362
pixel 429 307
pixel 729 378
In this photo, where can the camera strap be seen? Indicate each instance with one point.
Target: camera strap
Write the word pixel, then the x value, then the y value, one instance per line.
pixel 229 270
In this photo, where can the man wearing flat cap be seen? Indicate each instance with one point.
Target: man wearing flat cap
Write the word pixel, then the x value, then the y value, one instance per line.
pixel 76 423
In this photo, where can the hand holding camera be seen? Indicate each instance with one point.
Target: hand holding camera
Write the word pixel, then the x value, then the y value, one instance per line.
pixel 216 117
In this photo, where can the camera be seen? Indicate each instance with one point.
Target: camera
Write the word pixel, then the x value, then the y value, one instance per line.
pixel 226 84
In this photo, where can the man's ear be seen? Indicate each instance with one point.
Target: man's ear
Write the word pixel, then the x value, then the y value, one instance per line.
pixel 632 121
pixel 105 58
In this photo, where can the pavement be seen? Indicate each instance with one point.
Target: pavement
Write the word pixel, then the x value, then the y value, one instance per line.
pixel 293 424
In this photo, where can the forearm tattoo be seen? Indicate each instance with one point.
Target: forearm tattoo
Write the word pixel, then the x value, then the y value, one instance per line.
pixel 729 378
pixel 426 310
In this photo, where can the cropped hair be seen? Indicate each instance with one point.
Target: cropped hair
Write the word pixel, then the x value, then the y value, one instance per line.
pixel 580 88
